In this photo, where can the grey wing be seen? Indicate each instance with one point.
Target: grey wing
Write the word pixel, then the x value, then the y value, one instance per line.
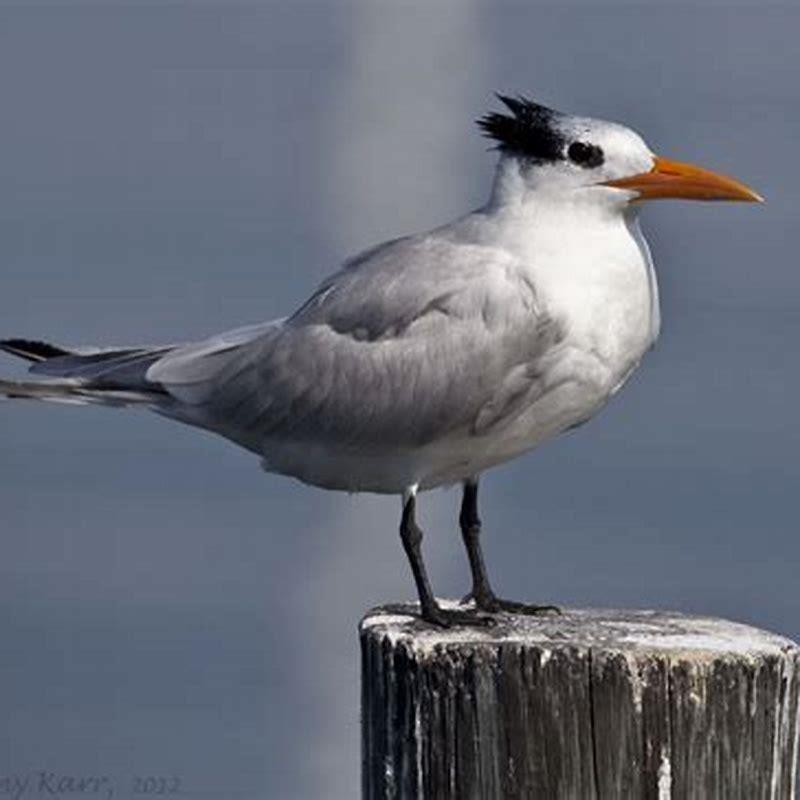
pixel 414 340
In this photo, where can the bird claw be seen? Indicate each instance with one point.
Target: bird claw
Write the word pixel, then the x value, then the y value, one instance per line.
pixel 446 618
pixel 495 605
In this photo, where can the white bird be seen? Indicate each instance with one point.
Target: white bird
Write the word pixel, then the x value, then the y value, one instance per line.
pixel 431 358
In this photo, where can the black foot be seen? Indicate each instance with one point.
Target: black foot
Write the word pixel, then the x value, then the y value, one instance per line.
pixel 445 618
pixel 494 605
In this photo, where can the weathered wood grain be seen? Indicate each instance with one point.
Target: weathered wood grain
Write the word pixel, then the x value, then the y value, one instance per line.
pixel 590 704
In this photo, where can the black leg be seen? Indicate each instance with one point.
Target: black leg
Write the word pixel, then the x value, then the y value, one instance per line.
pixel 432 612
pixel 471 531
pixel 482 592
pixel 411 535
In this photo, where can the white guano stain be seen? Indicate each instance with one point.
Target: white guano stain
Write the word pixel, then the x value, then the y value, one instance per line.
pixel 664 777
pixel 699 639
pixel 636 681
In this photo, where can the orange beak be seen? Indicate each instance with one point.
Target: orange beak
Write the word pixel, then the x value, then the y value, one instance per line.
pixel 670 178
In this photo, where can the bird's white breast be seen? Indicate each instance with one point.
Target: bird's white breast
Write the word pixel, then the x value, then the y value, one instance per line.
pixel 595 275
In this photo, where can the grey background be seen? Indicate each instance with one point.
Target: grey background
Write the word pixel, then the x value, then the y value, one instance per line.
pixel 171 169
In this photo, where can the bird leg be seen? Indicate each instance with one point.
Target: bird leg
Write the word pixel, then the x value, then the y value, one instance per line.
pixel 482 592
pixel 411 536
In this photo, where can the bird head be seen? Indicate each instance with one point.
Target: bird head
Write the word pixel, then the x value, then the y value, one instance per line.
pixel 578 157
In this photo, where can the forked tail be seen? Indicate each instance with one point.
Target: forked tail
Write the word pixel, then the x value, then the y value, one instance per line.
pixel 110 377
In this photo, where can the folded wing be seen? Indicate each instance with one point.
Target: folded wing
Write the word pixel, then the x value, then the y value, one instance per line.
pixel 407 343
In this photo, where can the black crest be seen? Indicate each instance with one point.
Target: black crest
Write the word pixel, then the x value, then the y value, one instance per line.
pixel 530 130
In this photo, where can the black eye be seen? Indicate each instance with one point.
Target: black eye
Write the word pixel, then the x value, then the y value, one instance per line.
pixel 586 155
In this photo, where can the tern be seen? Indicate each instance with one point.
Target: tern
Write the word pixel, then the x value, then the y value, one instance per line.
pixel 428 359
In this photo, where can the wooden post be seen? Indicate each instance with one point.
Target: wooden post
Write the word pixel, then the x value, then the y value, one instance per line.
pixel 590 704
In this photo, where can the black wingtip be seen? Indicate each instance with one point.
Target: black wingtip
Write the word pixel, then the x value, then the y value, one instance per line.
pixel 32 351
